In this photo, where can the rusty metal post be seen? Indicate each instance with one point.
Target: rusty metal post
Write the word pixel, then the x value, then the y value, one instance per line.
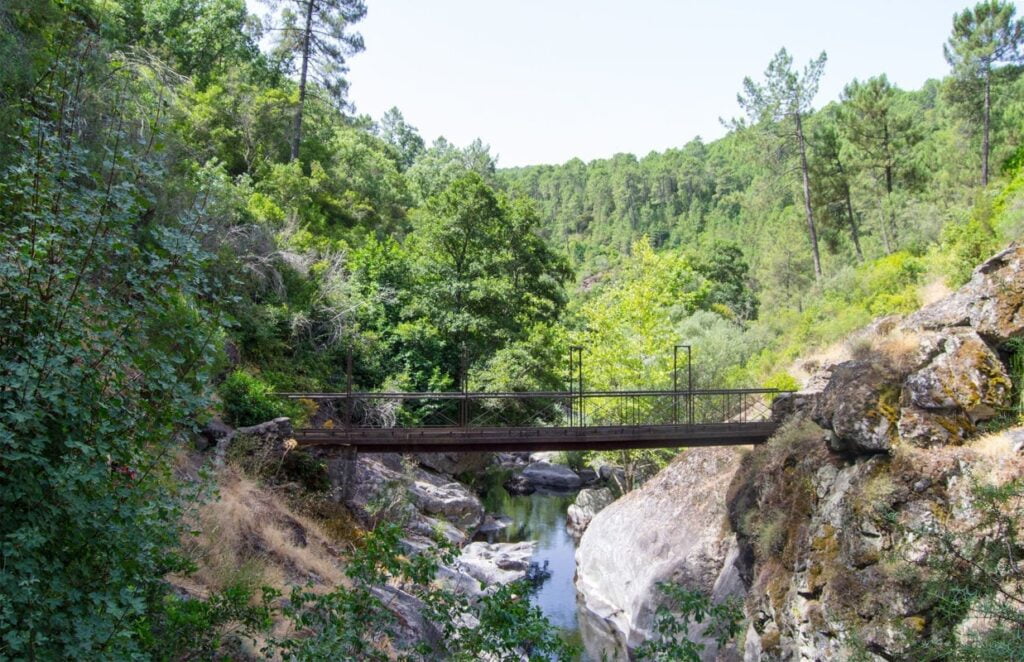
pixel 463 403
pixel 689 384
pixel 348 389
pixel 572 414
pixel 689 378
pixel 579 367
pixel 675 385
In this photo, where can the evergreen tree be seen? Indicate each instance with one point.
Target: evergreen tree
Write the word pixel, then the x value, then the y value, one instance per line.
pixel 833 193
pixel 315 37
pixel 784 101
pixel 983 37
pixel 881 135
pixel 402 136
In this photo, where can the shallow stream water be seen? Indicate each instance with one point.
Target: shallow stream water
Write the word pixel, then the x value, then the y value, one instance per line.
pixel 540 517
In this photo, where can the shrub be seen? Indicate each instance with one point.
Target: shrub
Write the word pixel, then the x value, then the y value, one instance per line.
pixel 966 246
pixel 672 619
pixel 1015 348
pixel 782 381
pixel 248 400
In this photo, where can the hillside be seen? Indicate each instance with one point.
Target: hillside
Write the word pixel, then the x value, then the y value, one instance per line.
pixel 193 220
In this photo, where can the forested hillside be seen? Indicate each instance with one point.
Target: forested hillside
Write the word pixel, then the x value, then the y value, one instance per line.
pixel 191 222
pixel 888 170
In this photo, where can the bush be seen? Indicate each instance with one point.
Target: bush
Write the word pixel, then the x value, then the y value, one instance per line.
pixel 248 400
pixel 966 246
pixel 679 609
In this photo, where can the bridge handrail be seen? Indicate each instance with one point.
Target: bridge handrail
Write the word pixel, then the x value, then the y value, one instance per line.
pixel 448 395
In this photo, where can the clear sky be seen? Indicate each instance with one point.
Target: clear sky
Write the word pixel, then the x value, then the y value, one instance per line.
pixel 542 81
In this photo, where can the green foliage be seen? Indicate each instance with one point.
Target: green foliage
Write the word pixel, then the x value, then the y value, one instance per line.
pixel 983 37
pixel 481 275
pixel 973 572
pixel 354 622
pixel 193 628
pixel 966 245
pixel 782 381
pixel 1015 363
pixel 197 37
pixel 679 611
pixel 105 341
pixel 725 268
pixel 247 400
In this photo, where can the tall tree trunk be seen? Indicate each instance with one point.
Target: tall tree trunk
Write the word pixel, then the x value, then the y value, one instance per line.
pixel 307 39
pixel 889 187
pixel 854 234
pixel 811 231
pixel 984 138
pixel 882 225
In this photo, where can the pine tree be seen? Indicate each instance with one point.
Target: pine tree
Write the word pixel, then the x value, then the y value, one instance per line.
pixel 315 38
pixel 783 101
pixel 982 38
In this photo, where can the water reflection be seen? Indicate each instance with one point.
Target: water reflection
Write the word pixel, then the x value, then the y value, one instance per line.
pixel 541 517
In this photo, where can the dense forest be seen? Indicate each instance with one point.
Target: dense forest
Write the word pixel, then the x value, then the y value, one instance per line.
pixel 191 222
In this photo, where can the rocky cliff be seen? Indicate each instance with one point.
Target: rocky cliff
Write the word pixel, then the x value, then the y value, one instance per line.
pixel 673 529
pixel 843 520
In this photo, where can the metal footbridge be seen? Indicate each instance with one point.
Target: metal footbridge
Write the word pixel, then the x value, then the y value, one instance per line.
pixel 463 421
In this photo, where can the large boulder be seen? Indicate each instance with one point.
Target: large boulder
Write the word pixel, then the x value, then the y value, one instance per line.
pixel 496 563
pixel 673 528
pixel 861 407
pixel 992 302
pixel 450 500
pixel 552 476
pixel 383 487
pixel 966 376
pixel 588 503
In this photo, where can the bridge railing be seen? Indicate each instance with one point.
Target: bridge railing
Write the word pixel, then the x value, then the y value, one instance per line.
pixel 538 409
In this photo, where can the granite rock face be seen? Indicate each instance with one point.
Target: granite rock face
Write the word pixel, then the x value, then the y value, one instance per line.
pixel 834 544
pixel 589 502
pixel 673 528
pixel 966 376
pixel 991 303
pixel 837 558
pixel 860 406
pixel 383 487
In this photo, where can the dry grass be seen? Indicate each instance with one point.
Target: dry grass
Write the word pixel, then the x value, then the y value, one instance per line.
pixel 996 445
pixel 250 536
pixel 934 291
pixel 803 368
pixel 900 350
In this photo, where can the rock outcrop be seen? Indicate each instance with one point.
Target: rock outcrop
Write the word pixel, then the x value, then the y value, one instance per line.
pixel 833 515
pixel 674 528
pixel 551 476
pixel 589 502
pixel 830 524
pixel 454 464
pixel 496 563
pixel 384 487
pixel 991 303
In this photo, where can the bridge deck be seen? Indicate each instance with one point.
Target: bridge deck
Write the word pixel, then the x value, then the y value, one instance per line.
pixel 515 439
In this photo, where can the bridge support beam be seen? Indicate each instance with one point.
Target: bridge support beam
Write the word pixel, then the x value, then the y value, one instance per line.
pixel 342 472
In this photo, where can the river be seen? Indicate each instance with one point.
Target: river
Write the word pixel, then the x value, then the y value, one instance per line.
pixel 540 517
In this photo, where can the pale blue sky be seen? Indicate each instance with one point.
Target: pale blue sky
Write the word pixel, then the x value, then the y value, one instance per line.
pixel 542 81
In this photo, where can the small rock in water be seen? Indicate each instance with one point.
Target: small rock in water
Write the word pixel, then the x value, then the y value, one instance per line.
pixel 518 486
pixel 494 523
pixel 556 476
